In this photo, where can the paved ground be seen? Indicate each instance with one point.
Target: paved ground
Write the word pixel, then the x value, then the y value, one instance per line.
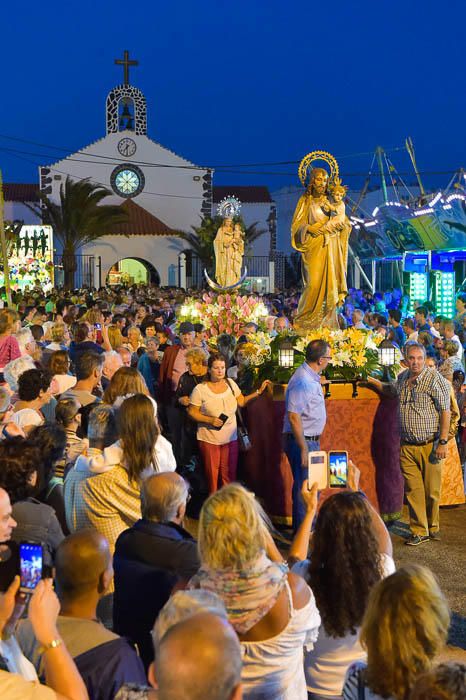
pixel 447 559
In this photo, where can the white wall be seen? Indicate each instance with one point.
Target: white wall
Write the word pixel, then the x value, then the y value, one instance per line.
pixel 178 212
pixel 17 211
pixel 258 212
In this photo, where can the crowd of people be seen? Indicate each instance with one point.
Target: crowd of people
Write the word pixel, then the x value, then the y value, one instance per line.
pixel 118 422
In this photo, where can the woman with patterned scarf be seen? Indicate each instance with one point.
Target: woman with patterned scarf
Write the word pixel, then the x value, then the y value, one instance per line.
pixel 273 611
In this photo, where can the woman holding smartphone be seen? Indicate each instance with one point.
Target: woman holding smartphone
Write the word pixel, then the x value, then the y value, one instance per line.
pixel 350 552
pixel 213 406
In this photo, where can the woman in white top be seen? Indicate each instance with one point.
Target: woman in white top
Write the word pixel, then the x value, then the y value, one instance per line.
pixel 59 366
pixel 351 551
pixel 272 611
pixel 213 406
pixel 33 392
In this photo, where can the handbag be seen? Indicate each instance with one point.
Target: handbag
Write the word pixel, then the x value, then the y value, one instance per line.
pixel 244 441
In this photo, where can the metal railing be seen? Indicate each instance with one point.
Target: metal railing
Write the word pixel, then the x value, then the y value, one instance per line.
pixel 87 270
pixel 257 266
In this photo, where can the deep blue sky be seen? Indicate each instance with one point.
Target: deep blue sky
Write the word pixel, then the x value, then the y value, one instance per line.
pixel 241 82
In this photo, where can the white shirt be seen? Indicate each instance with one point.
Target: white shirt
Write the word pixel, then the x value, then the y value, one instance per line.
pixel 64 382
pixel 326 664
pixel 212 404
pixel 26 417
pixel 15 659
pixel 456 340
pixel 16 688
pixel 273 668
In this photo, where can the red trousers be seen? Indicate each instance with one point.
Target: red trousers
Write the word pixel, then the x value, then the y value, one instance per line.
pixel 219 461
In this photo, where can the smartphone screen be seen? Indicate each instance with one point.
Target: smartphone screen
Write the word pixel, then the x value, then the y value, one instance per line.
pixel 98 326
pixel 338 469
pixel 317 472
pixel 30 565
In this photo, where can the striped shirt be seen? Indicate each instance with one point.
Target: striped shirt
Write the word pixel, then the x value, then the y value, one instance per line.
pixel 421 403
pixel 355 687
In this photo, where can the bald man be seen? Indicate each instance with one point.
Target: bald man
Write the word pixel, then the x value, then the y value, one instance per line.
pixel 152 557
pixel 198 659
pixel 84 571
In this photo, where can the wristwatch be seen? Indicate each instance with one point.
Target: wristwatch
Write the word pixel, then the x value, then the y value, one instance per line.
pixel 443 442
pixel 52 645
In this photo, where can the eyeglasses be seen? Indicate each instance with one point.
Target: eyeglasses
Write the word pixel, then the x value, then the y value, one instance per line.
pixel 326 357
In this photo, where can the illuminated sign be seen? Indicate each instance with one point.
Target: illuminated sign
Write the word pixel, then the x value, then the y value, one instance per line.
pixel 30 258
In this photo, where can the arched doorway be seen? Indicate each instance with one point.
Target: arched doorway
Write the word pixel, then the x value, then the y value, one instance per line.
pixel 130 271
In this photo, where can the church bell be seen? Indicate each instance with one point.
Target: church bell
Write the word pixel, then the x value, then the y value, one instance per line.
pixel 126 113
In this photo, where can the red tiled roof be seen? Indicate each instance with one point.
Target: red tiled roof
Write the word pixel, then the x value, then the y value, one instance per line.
pixel 140 223
pixel 20 192
pixel 245 193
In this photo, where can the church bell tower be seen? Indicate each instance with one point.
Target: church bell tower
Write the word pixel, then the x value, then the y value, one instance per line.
pixel 126 105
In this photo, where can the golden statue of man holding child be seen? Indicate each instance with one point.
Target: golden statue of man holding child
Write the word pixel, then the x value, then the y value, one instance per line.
pixel 320 231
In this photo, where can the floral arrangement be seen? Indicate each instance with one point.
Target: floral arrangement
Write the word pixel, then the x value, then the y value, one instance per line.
pixel 254 352
pixel 222 313
pixel 354 354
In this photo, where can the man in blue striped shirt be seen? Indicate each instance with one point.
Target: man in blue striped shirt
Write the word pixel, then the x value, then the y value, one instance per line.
pixel 305 418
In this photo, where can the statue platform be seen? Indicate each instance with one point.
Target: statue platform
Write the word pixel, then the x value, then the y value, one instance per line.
pixel 366 426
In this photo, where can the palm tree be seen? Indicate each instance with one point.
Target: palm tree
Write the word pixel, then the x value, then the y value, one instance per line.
pixel 201 240
pixel 78 219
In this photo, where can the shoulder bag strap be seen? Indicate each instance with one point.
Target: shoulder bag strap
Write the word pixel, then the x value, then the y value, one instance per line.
pixel 238 410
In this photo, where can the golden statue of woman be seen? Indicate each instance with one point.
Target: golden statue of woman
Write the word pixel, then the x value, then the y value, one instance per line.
pixel 320 231
pixel 224 252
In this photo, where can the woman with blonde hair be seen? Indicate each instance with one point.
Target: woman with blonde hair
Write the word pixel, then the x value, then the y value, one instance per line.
pixel 103 488
pixel 114 336
pixel 134 341
pixel 404 628
pixel 125 382
pixel 9 347
pixel 60 337
pixel 273 611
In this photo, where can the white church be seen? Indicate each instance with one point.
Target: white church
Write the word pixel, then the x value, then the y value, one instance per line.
pixel 161 192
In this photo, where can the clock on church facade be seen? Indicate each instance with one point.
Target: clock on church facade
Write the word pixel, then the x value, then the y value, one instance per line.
pixel 127 147
pixel 127 180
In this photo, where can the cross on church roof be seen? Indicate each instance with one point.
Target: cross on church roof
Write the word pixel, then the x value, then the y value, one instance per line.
pixel 126 63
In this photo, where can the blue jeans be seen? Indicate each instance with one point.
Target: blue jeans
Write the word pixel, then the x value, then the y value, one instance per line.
pixel 293 453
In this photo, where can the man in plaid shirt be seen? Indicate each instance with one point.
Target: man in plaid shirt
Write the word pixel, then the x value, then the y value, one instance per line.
pixel 424 409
